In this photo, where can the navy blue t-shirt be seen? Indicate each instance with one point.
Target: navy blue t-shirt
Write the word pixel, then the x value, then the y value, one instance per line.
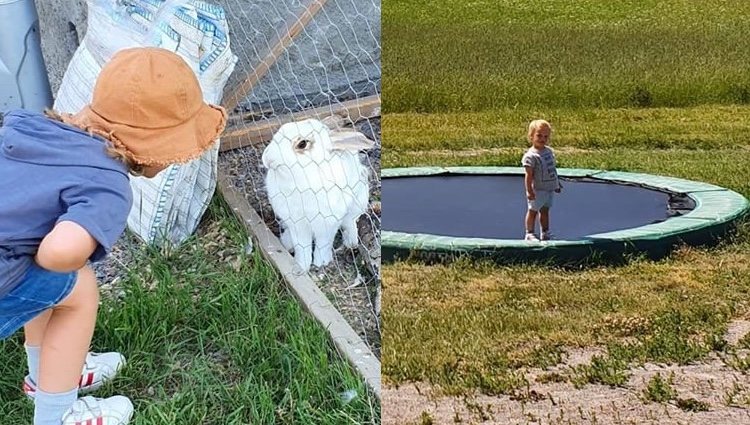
pixel 52 172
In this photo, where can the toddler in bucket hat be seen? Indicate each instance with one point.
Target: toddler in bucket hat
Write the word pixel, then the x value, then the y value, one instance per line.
pixel 149 104
pixel 64 182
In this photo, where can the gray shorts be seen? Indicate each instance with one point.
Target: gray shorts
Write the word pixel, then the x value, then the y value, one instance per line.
pixel 543 199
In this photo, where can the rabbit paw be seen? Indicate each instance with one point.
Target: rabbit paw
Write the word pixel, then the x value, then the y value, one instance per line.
pixel 286 240
pixel 351 242
pixel 349 235
pixel 303 256
pixel 323 253
pixel 323 258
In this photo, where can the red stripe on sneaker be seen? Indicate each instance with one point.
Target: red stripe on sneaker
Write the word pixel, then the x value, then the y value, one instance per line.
pixel 90 380
pixel 100 421
pixel 27 388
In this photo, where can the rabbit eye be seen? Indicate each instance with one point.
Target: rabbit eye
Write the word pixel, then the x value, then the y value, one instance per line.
pixel 303 144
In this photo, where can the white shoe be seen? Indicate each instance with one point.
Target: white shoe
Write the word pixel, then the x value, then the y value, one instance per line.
pixel 531 237
pixel 546 236
pixel 98 369
pixel 115 410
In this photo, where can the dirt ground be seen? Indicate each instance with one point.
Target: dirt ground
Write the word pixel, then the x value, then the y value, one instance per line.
pixel 712 385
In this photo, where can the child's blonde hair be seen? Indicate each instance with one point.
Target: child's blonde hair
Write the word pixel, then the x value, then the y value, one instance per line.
pixel 535 125
pixel 119 154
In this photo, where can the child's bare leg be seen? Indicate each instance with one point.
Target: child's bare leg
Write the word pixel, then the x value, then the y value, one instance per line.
pixel 530 221
pixel 544 219
pixel 67 336
pixel 34 330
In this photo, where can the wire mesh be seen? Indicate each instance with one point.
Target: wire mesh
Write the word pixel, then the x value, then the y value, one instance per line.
pixel 312 171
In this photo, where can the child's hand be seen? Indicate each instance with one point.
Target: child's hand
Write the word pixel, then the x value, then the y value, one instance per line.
pixel 530 195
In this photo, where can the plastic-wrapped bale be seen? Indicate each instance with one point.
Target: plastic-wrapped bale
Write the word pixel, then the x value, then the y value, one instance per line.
pixel 168 207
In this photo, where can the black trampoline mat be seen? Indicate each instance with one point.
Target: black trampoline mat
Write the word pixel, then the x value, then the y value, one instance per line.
pixel 494 206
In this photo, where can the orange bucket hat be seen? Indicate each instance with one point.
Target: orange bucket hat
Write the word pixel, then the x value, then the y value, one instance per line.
pixel 148 102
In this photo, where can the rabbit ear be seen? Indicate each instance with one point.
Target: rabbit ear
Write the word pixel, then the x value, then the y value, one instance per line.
pixel 333 122
pixel 350 140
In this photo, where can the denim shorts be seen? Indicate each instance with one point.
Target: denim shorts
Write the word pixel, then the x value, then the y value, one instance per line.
pixel 38 291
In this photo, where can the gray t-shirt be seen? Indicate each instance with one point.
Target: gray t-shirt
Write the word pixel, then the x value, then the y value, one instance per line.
pixel 543 164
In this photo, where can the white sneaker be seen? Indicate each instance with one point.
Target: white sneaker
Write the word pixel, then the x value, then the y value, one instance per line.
pixel 531 237
pixel 98 369
pixel 546 236
pixel 115 410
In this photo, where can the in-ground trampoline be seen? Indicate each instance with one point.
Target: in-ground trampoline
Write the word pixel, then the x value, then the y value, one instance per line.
pixel 440 213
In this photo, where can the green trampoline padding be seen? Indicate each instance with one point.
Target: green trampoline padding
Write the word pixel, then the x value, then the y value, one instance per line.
pixel 437 213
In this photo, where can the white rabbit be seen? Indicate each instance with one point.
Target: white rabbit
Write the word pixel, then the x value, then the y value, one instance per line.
pixel 316 184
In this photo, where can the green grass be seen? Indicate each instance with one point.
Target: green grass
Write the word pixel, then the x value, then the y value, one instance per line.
pixel 652 129
pixel 475 326
pixel 426 419
pixel 476 55
pixel 212 342
pixel 693 405
pixel 737 396
pixel 704 143
pixel 659 390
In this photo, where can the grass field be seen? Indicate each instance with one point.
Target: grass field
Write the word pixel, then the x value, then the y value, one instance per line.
pixel 456 325
pixel 212 342
pixel 705 143
pixel 462 81
pixel 441 56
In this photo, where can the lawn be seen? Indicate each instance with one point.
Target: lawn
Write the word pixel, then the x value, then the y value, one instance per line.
pixel 705 143
pixel 644 86
pixel 459 325
pixel 441 56
pixel 212 337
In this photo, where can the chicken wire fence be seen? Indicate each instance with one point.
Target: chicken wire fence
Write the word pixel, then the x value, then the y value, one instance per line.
pixel 303 140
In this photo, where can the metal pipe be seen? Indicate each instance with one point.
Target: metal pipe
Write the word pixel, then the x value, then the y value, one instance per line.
pixel 23 74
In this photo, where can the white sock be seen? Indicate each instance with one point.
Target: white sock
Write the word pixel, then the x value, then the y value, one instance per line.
pixel 32 360
pixel 50 408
